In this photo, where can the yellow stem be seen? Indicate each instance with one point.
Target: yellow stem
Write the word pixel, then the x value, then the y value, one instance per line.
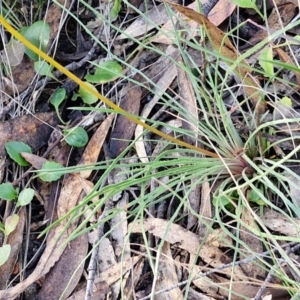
pixel 55 64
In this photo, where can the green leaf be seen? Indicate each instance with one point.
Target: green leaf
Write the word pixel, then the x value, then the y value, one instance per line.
pixel 245 3
pixel 44 69
pixel 8 192
pixel 49 171
pixel 14 149
pixel 220 201
pixel 2 227
pixel 114 12
pixel 25 197
pixel 283 108
pixel 265 61
pixel 254 197
pixel 4 254
pixel 86 96
pixel 76 137
pixel 10 224
pixel 75 96
pixel 248 4
pixel 106 71
pixel 57 98
pixel 285 101
pixel 39 35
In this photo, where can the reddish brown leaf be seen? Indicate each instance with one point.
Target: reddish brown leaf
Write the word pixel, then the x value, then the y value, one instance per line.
pixel 92 150
pixel 124 128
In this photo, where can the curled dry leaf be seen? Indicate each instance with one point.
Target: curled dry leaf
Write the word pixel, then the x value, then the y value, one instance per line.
pixel 35 160
pixel 175 234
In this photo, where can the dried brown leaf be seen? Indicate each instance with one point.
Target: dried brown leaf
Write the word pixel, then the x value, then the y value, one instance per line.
pixel 124 128
pixel 175 234
pixel 167 275
pixel 284 57
pixel 278 18
pixel 280 223
pixel 62 279
pixel 254 245
pixel 108 277
pixel 221 11
pixel 33 130
pixel 93 148
pixel 35 160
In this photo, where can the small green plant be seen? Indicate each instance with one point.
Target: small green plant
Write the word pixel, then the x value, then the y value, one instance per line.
pixel 57 99
pixel 9 193
pixel 14 150
pixel 76 137
pixel 85 95
pixel 48 170
pixel 39 35
pixel 106 71
pixel 44 69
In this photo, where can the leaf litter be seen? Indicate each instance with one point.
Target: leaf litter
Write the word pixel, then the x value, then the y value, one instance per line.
pixel 154 253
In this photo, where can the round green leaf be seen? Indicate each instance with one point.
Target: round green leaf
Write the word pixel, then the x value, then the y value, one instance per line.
pixel 106 71
pixel 76 137
pixel 86 96
pixel 4 254
pixel 38 34
pixel 14 149
pixel 11 223
pixel 8 192
pixel 49 171
pixel 265 60
pixel 25 197
pixel 57 98
pixel 44 69
pixel 254 197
